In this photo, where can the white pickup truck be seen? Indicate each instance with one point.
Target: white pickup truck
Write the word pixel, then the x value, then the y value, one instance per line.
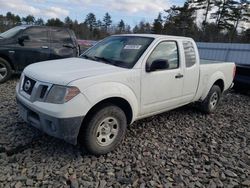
pixel 123 78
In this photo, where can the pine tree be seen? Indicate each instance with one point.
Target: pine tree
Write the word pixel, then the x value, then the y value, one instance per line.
pixel 142 27
pixel 68 22
pixel 157 25
pixel 180 21
pixel 205 5
pixel 90 21
pixel 107 21
pixel 55 22
pixel 30 19
pixel 39 21
pixel 239 13
pixel 121 26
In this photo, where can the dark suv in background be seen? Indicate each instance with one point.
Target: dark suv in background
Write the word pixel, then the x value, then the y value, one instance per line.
pixel 23 45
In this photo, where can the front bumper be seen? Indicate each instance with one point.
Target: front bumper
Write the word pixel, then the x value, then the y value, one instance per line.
pixel 63 128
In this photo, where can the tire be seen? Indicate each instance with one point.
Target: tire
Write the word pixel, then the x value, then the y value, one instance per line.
pixel 212 100
pixel 5 70
pixel 104 130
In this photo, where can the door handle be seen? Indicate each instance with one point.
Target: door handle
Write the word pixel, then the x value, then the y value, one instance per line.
pixel 44 47
pixel 178 76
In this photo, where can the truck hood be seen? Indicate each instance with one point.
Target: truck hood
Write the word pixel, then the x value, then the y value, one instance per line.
pixel 64 71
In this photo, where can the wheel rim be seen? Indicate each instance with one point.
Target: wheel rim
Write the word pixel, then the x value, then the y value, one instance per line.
pixel 107 131
pixel 214 100
pixel 3 71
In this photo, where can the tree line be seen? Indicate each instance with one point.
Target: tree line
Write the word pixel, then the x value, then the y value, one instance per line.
pixel 203 20
pixel 90 28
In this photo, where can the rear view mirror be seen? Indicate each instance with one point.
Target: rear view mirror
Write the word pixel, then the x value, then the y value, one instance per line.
pixel 159 64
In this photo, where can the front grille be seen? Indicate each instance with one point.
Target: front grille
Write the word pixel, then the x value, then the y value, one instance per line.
pixel 43 91
pixel 28 85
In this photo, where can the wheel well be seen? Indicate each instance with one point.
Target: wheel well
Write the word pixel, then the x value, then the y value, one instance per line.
pixel 220 83
pixel 6 58
pixel 120 102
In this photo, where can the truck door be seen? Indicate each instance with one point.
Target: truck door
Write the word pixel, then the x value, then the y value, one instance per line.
pixel 33 46
pixel 62 45
pixel 191 71
pixel 162 89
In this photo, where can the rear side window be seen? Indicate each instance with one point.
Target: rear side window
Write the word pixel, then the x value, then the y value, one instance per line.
pixel 61 36
pixel 190 55
pixel 37 34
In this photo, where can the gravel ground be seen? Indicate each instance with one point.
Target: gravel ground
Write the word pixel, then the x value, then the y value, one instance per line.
pixel 181 148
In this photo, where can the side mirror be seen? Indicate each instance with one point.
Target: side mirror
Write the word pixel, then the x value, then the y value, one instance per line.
pixel 22 39
pixel 159 64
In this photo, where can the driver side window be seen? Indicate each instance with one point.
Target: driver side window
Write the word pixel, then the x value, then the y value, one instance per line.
pixel 168 51
pixel 36 34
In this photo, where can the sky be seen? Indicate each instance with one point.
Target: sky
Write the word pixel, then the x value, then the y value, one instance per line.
pixel 131 11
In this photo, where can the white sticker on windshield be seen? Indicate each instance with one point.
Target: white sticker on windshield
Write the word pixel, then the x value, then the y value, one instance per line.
pixel 132 47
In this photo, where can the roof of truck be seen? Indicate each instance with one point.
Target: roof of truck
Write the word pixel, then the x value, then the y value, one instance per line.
pixel 155 36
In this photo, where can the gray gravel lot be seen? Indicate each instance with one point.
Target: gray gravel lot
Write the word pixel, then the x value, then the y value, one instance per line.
pixel 181 148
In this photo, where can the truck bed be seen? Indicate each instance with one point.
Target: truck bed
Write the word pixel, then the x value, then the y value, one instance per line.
pixel 206 61
pixel 219 69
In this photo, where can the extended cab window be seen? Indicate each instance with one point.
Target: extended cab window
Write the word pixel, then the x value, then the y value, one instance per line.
pixel 61 36
pixel 36 34
pixel 189 53
pixel 167 50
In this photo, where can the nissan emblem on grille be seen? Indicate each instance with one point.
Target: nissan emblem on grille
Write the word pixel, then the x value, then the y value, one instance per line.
pixel 27 85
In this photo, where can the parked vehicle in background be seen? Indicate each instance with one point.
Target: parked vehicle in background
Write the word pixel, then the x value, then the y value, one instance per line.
pixel 242 77
pixel 24 45
pixel 121 79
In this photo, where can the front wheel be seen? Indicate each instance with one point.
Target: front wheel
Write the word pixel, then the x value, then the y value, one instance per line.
pixel 105 130
pixel 212 100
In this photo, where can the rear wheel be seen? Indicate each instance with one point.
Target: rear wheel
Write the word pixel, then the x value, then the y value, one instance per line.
pixel 104 130
pixel 5 70
pixel 211 101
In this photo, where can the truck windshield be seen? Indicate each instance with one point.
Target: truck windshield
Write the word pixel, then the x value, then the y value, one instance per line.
pixel 122 51
pixel 12 32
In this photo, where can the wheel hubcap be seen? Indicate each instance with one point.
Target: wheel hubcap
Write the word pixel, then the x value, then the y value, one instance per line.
pixel 3 71
pixel 107 131
pixel 214 100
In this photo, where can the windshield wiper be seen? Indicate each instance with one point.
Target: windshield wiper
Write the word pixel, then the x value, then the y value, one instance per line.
pixel 89 57
pixel 105 60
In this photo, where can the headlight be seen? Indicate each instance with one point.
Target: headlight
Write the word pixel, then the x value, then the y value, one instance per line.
pixel 61 94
